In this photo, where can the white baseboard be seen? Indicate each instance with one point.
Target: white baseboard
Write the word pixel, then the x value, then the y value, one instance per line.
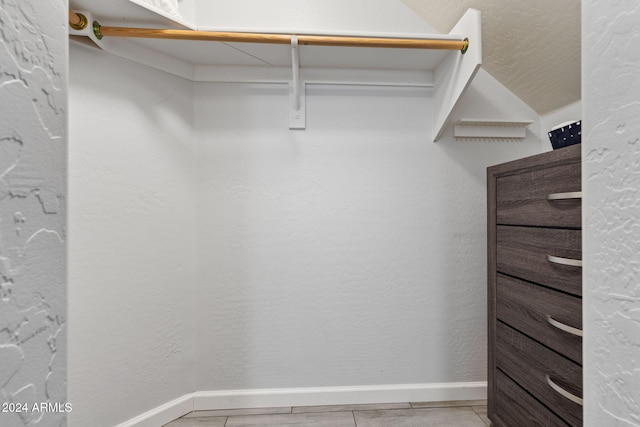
pixel 162 414
pixel 263 398
pixel 310 396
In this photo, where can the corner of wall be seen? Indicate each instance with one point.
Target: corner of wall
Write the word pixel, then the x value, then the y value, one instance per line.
pixel 133 226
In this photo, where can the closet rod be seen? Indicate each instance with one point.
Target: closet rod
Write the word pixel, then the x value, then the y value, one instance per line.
pixel 220 36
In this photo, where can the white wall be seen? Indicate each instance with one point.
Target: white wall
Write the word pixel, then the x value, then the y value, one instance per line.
pixel 337 16
pixel 350 253
pixel 33 148
pixel 611 64
pixel 132 247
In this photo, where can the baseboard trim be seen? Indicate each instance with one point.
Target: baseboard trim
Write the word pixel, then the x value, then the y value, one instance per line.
pixel 308 396
pixel 163 414
pixel 264 398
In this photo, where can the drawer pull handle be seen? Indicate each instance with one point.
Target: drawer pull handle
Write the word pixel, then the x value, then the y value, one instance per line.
pixel 563 327
pixel 563 392
pixel 564 261
pixel 565 196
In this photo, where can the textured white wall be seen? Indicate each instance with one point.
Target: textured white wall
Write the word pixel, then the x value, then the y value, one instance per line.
pixel 611 90
pixel 132 247
pixel 33 164
pixel 350 253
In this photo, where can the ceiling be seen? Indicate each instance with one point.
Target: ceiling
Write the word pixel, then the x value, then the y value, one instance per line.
pixel 531 46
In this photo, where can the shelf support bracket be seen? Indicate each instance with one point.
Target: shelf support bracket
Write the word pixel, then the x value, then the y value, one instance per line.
pixel 454 74
pixel 86 27
pixel 297 96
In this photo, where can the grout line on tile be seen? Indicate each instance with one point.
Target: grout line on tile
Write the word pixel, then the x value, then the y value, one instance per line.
pixel 448 404
pixel 482 418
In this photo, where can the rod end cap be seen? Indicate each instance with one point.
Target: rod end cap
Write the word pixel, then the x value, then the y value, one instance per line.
pixel 465 47
pixel 96 30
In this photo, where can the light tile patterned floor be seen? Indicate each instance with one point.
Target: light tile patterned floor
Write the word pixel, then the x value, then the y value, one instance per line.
pixel 414 414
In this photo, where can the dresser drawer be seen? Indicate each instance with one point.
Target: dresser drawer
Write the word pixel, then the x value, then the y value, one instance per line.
pixel 533 367
pixel 523 199
pixel 524 252
pixel 526 307
pixel 516 407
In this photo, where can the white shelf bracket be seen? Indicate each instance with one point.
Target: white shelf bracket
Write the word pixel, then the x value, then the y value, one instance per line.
pixel 492 130
pixel 297 95
pixel 87 30
pixel 455 73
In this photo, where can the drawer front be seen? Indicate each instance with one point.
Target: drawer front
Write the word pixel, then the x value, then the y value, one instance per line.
pixel 523 252
pixel 522 199
pixel 516 407
pixel 525 306
pixel 532 365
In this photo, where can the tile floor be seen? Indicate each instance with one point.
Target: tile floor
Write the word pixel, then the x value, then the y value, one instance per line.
pixel 415 414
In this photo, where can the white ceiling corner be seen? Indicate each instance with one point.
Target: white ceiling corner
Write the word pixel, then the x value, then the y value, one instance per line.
pixel 531 47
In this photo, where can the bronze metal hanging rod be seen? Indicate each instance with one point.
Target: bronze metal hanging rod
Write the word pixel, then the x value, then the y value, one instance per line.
pixel 76 20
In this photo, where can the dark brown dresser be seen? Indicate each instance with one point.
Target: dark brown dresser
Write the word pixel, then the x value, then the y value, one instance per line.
pixel 535 290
